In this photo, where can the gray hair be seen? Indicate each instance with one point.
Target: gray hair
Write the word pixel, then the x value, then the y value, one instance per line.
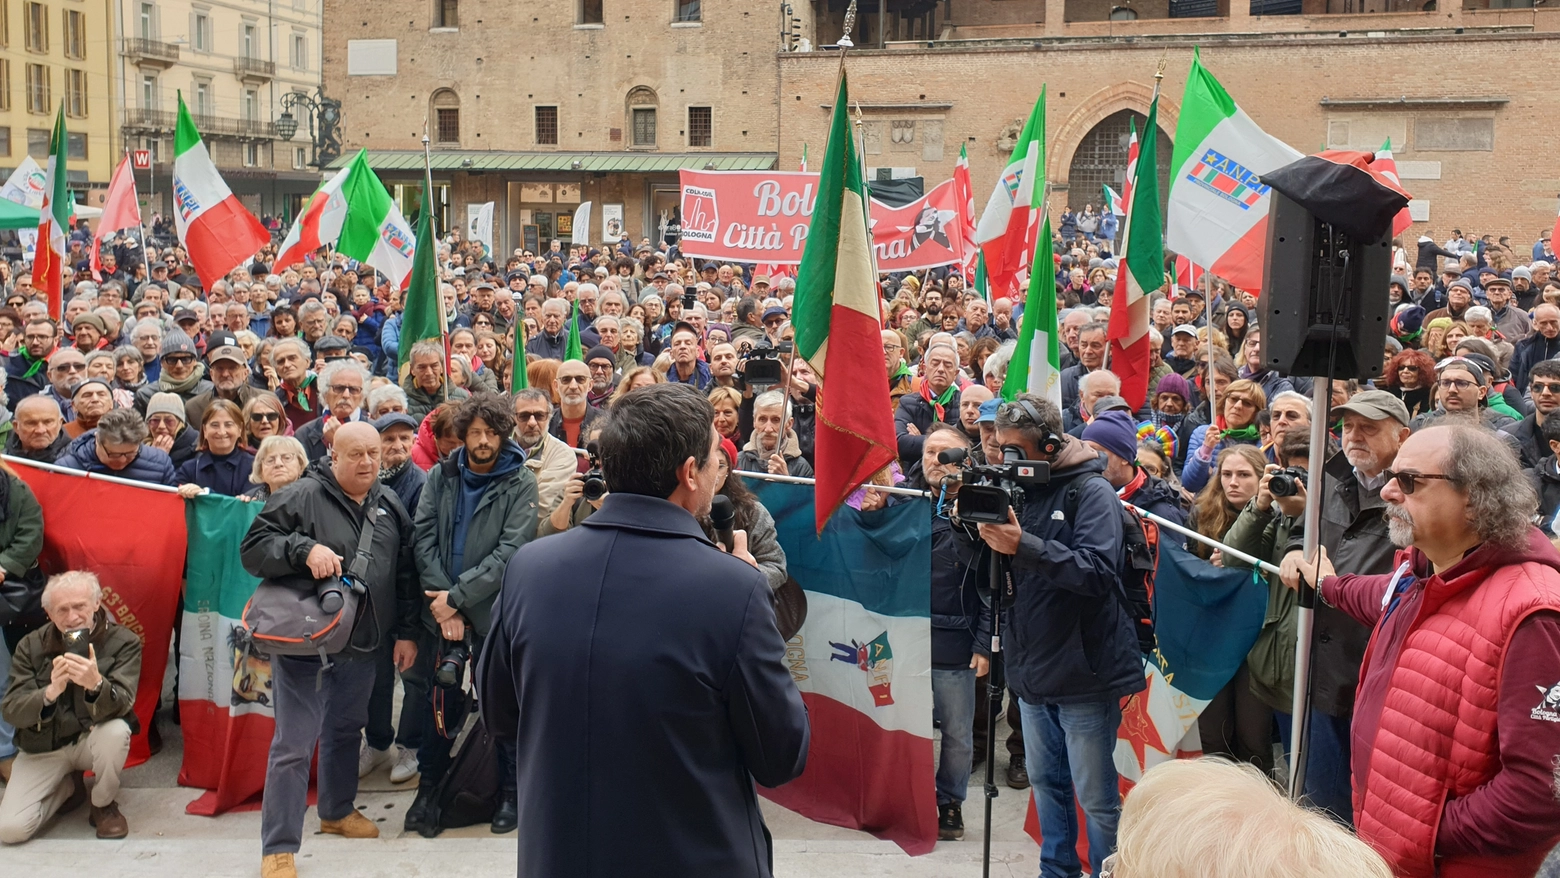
pixel 532 394
pixel 1501 502
pixel 997 363
pixel 634 324
pixel 300 344
pixel 122 427
pixel 1294 397
pixel 345 316
pixel 386 393
pixel 310 307
pixel 270 444
pixel 1090 379
pixel 1479 312
pixel 614 294
pixel 1156 338
pixel 145 324
pixel 603 319
pixel 68 579
pixel 555 305
pixel 1096 326
pixel 426 347
pixel 330 370
pixel 769 399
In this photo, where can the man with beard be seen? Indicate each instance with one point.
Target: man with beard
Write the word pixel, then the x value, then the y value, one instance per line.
pixel 766 451
pixel 931 314
pixel 1466 629
pixel 1354 533
pixel 602 364
pixel 574 415
pixel 477 509
pixel 229 371
pixel 551 461
pixel 1544 388
pixel 26 370
pixel 37 430
pixel 182 373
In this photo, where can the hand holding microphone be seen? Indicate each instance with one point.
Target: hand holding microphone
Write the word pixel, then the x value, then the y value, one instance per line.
pixel 723 516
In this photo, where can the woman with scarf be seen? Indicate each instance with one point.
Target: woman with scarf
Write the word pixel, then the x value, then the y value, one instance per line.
pixel 1410 376
pixel 1239 406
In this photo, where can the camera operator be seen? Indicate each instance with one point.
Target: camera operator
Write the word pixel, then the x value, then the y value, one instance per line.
pixel 1072 651
pixel 582 493
pixel 71 697
pixel 639 652
pixel 477 509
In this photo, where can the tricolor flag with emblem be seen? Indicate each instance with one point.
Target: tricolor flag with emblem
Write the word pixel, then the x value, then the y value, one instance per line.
pixel 964 194
pixel 1143 271
pixel 218 232
pixel 1386 166
pixel 863 663
pixel 838 323
pixel 1036 366
pixel 1217 214
pixel 54 223
pixel 1006 231
pixel 373 230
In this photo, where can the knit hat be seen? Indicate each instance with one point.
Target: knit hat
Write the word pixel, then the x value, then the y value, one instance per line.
pixel 176 342
pixel 92 320
pixel 1114 431
pixel 1408 321
pixel 1174 383
pixel 1460 282
pixel 600 352
pixel 730 450
pixel 1523 272
pixel 165 404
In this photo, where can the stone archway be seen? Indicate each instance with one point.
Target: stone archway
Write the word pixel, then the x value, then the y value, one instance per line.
pixel 1096 108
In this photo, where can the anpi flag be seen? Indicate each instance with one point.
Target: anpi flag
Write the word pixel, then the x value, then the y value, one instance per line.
pixel 863 662
pixel 120 211
pixel 133 539
pixel 1133 150
pixel 374 230
pixel 216 230
pixel 838 323
pixel 54 223
pixel 1006 228
pixel 1218 207
pixel 1143 261
pixel 1386 166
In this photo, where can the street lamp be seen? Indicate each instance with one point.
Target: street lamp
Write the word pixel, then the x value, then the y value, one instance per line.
pixel 316 108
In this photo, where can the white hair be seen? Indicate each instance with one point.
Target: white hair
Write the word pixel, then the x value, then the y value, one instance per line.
pixel 997 363
pixel 1478 312
pixel 71 578
pixel 1089 379
pixel 335 367
pixel 769 399
pixel 1290 395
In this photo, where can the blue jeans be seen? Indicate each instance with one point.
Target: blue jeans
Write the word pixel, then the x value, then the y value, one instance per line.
pixel 7 731
pixel 953 706
pixel 1328 781
pixel 1070 752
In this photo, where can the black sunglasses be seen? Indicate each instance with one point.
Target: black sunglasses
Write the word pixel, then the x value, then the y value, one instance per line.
pixel 1406 481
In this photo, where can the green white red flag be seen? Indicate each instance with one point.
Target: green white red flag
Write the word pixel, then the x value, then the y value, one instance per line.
pixel 1037 364
pixel 1006 231
pixel 964 195
pixel 217 231
pixel 54 223
pixel 1143 264
pixel 1386 166
pixel 837 317
pixel 1113 201
pixel 373 229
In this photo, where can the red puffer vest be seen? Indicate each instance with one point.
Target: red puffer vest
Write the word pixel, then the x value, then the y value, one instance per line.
pixel 1437 735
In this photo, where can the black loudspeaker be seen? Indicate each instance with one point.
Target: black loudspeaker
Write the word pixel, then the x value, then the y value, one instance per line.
pixel 1321 287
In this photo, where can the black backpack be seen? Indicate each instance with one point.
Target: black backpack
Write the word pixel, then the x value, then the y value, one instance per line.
pixel 468 795
pixel 1141 558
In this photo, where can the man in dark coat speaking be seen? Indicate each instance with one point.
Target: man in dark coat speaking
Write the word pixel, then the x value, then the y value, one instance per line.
pixel 639 670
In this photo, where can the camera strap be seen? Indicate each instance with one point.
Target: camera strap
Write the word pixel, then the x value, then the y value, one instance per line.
pixel 358 570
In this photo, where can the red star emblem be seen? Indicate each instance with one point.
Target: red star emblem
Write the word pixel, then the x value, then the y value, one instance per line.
pixel 1137 728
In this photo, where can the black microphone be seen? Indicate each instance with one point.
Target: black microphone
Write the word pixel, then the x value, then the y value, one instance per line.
pixel 723 517
pixel 953 455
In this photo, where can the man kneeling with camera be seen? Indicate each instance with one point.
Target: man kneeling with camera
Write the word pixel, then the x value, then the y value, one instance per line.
pixel 1072 650
pixel 71 697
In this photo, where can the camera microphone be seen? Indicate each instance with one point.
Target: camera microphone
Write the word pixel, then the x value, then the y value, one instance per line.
pixel 953 455
pixel 723 517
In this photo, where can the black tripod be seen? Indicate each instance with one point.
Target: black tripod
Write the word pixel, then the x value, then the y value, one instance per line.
pixel 1001 596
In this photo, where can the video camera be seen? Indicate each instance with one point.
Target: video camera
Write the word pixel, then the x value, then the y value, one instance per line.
pixel 991 489
pixel 761 367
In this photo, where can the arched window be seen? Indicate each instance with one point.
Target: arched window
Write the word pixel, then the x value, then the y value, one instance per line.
pixel 1123 13
pixel 641 116
pixel 446 117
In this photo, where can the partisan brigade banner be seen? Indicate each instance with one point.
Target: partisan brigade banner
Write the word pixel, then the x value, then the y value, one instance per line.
pixel 133 539
pixel 863 661
pixel 764 216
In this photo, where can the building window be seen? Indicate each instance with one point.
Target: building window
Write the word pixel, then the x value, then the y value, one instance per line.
pixel 148 21
pixel 76 93
pixel 641 106
pixel 36 18
pixel 446 117
pixel 200 32
pixel 251 155
pixel 688 10
pixel 37 89
pixel 248 40
pixel 5 23
pixel 75 34
pixel 300 158
pixel 203 99
pixel 249 107
pixel 300 52
pixel 644 126
pixel 446 13
pixel 700 125
pixel 5 84
pixel 5 140
pixel 75 145
pixel 149 91
pixel 547 126
pixel 38 141
pixel 589 12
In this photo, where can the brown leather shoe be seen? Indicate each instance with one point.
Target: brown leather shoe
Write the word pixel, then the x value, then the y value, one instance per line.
pixel 78 793
pixel 354 825
pixel 109 822
pixel 278 866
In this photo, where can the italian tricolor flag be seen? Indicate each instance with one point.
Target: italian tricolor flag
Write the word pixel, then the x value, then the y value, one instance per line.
pixel 1143 259
pixel 1386 166
pixel 374 230
pixel 1218 206
pixel 1005 232
pixel 838 325
pixel 214 227
pixel 54 223
pixel 1037 364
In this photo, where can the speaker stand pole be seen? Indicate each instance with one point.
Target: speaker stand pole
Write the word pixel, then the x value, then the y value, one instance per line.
pixel 1299 728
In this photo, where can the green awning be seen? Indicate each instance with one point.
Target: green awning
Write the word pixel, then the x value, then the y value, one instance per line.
pixel 597 162
pixel 17 216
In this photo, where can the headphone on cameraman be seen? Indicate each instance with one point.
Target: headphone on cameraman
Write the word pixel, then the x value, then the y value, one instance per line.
pixel 1050 443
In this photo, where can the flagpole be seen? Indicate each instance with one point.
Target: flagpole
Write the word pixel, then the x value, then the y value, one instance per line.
pixel 438 298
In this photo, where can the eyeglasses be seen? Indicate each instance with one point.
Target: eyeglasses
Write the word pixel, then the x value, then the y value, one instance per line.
pixel 600 367
pixel 1407 481
pixel 572 379
pixel 1545 387
pixel 118 455
pixel 179 359
pixel 530 416
pixel 1407 367
pixel 1455 384
pixel 274 417
pixel 346 389
pixel 71 367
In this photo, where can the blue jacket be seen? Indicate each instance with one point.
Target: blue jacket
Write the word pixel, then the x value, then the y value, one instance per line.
pixel 16 386
pixel 548 347
pixel 228 476
pixel 150 465
pixel 593 642
pixel 390 343
pixel 961 625
pixel 701 379
pixel 1069 637
pixel 1196 471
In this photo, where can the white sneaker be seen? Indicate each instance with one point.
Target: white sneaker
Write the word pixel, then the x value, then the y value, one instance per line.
pixel 405 767
pixel 370 759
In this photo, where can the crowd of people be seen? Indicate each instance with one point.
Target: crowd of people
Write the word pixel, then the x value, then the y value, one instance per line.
pixel 296 387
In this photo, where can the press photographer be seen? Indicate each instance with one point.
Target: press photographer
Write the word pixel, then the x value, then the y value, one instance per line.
pixel 1072 650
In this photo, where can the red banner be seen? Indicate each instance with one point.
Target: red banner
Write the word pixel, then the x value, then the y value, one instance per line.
pixel 763 217
pixel 133 539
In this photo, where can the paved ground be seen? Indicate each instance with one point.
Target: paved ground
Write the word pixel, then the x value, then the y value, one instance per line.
pixel 166 842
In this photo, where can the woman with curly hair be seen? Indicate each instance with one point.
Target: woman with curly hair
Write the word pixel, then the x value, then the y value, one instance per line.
pixel 1410 376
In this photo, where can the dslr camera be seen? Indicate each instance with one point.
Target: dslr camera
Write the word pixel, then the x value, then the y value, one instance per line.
pixel 761 368
pixel 595 483
pixel 1288 481
pixel 451 669
pixel 991 489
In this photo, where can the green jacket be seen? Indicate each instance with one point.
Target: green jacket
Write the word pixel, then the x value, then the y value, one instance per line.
pixel 21 534
pixel 42 728
pixel 420 402
pixel 1264 534
pixel 504 520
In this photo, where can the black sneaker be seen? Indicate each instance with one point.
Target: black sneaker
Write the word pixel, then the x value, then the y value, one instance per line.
pixel 1017 772
pixel 423 808
pixel 950 822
